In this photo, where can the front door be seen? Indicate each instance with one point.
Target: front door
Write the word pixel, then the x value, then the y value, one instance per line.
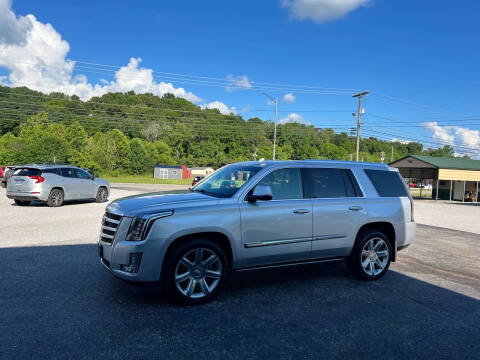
pixel 277 230
pixel 338 211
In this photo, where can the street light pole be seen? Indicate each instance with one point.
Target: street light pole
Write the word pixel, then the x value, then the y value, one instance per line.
pixel 275 101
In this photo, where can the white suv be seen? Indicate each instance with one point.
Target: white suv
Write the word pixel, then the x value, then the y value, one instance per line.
pixel 259 214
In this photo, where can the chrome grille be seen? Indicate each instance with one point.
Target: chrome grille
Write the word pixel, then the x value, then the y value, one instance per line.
pixel 109 227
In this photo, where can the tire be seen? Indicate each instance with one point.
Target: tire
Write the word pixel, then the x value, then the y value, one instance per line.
pixel 102 195
pixel 22 202
pixel 56 197
pixel 371 255
pixel 202 280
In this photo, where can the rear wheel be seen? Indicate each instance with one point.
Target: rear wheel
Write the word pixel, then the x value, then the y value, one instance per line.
pixel 55 199
pixel 22 202
pixel 102 195
pixel 194 271
pixel 371 256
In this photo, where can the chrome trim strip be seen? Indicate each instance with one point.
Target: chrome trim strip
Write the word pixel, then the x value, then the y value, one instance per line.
pixel 107 236
pixel 108 228
pixel 329 237
pixel 111 220
pixel 277 242
pixel 307 262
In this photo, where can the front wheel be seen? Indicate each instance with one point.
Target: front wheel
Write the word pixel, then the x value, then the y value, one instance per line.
pixel 195 271
pixel 22 202
pixel 371 256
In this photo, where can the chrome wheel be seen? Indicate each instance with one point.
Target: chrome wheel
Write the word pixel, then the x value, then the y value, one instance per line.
pixel 102 195
pixel 198 273
pixel 374 257
pixel 57 198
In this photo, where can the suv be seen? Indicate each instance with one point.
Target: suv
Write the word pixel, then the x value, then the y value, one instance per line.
pixel 254 215
pixel 6 172
pixel 55 184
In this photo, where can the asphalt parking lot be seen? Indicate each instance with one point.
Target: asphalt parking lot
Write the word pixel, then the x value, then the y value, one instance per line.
pixel 57 301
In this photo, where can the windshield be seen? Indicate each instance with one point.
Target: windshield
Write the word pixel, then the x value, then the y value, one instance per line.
pixel 226 181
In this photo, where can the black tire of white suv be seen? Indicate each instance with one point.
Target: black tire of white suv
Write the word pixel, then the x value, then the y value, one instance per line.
pixel 55 199
pixel 371 255
pixel 194 271
pixel 102 195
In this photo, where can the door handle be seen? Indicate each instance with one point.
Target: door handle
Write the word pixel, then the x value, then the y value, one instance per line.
pixel 355 208
pixel 301 211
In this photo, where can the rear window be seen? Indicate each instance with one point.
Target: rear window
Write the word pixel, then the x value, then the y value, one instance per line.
pixel 28 172
pixel 387 183
pixel 68 172
pixel 331 183
pixel 50 171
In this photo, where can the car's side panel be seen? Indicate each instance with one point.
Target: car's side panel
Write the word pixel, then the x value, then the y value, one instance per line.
pixel 276 231
pixel 335 222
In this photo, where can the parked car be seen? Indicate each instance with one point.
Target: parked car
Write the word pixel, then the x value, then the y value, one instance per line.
pixel 277 213
pixel 196 179
pixel 55 184
pixel 6 173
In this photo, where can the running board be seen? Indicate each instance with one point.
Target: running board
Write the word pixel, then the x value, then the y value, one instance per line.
pixel 306 262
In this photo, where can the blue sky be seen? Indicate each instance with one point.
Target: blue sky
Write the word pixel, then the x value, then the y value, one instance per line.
pixel 423 55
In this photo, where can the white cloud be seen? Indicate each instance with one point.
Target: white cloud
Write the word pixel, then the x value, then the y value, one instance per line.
pixel 34 53
pixel 400 141
pixel 220 106
pixel 294 118
pixel 13 30
pixel 289 98
pixel 321 11
pixel 238 82
pixel 465 138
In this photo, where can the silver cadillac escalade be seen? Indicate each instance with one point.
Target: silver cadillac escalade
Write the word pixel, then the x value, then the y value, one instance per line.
pixel 252 215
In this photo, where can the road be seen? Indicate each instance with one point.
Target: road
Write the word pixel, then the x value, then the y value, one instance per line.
pixel 57 301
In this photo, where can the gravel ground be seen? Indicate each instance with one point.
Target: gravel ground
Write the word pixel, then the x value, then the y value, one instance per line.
pixel 57 301
pixel 456 216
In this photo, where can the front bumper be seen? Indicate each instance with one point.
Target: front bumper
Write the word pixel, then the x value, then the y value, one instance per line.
pixel 121 254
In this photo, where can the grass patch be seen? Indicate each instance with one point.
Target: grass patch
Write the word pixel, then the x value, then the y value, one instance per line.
pixel 146 179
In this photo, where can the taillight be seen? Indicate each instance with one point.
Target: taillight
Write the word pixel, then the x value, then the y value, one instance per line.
pixel 411 209
pixel 38 178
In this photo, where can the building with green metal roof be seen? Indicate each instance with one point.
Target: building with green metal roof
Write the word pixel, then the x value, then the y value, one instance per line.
pixel 452 178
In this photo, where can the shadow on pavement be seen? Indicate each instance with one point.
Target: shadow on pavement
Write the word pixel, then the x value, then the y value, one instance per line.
pixel 59 302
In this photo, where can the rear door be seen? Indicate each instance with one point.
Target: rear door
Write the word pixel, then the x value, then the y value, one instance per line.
pixel 71 184
pixel 87 186
pixel 338 210
pixel 277 230
pixel 24 180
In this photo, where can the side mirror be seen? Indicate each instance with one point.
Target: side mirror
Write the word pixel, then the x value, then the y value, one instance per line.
pixel 261 192
pixel 92 176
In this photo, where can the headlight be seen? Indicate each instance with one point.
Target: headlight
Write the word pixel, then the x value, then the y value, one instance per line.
pixel 140 226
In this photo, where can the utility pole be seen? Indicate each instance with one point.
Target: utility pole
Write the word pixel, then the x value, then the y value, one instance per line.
pixel 391 157
pixel 275 101
pixel 359 114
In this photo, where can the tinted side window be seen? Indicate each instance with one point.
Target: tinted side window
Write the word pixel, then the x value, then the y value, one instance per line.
pixel 82 174
pixel 285 184
pixel 387 183
pixel 28 172
pixel 50 171
pixel 68 172
pixel 327 183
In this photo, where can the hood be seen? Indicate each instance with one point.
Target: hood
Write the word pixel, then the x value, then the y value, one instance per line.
pixel 157 201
